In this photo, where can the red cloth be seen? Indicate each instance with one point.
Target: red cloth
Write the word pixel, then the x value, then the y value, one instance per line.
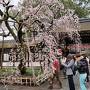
pixel 56 65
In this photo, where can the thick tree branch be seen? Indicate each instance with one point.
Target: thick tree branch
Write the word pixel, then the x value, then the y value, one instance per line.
pixel 6 4
pixel 11 31
pixel 6 17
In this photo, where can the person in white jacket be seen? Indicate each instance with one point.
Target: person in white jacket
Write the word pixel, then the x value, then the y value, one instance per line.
pixel 68 65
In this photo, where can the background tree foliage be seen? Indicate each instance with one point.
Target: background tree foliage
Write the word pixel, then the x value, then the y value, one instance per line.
pixel 81 7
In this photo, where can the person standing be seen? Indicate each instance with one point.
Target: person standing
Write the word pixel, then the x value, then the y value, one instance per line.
pixel 82 66
pixel 68 65
pixel 56 70
pixel 88 68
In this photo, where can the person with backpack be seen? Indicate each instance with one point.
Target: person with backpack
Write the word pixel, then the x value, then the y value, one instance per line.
pixel 87 68
pixel 82 66
pixel 69 72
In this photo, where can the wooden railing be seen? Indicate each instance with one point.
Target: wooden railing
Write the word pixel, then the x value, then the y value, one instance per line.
pixel 18 80
pixel 43 77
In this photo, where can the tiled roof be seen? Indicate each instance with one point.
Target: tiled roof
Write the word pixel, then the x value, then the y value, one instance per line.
pixel 83 20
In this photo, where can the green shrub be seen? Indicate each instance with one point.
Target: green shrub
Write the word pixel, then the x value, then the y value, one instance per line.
pixel 7 71
pixel 28 72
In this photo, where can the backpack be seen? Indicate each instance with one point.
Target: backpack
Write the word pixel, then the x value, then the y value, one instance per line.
pixel 83 65
pixel 74 69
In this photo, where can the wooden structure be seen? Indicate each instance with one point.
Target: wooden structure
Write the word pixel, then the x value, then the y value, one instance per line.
pixel 25 80
pixel 19 80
